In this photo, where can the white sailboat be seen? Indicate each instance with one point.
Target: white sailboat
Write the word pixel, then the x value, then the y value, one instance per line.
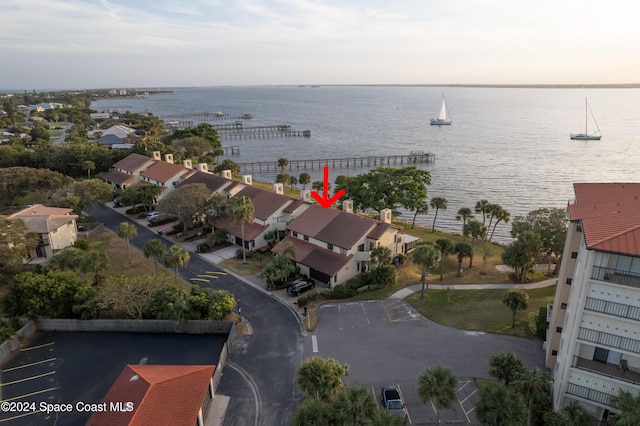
pixel 586 136
pixel 444 118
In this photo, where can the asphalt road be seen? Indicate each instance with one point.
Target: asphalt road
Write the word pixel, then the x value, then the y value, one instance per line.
pixel 260 377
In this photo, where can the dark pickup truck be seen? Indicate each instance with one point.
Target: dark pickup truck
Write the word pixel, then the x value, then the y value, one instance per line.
pixel 392 401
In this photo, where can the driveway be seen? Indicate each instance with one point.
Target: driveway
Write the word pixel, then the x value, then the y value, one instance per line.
pixel 388 342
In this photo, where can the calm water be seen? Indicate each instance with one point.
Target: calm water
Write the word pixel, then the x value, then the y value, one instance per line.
pixel 509 146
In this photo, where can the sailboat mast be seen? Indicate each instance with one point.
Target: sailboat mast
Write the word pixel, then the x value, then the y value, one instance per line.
pixel 586 116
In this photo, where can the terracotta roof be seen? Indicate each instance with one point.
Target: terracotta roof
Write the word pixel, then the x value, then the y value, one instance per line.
pixel 161 395
pixel 162 171
pixel 251 229
pixel 378 231
pixel 322 259
pixel 265 203
pixel 213 182
pixel 610 216
pixel 332 226
pixel 133 162
pixel 117 177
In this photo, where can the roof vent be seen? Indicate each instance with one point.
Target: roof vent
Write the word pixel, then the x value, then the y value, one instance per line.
pixel 227 174
pixel 385 215
pixel 168 158
pixel 278 188
pixel 134 378
pixel 187 164
pixel 156 155
pixel 305 195
pixel 203 167
pixel 347 206
pixel 246 179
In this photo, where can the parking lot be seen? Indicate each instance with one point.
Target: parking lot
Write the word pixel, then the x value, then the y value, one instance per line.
pixel 388 343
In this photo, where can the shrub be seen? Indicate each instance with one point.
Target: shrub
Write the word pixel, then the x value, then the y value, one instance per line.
pixel 342 292
pixel 542 323
pixel 383 276
pixel 304 300
pixel 368 287
pixel 358 282
pixel 138 209
pixel 81 244
pixel 161 220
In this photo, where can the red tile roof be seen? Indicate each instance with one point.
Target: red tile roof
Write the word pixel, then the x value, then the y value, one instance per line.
pixel 610 216
pixel 133 162
pixel 322 259
pixel 117 177
pixel 251 229
pixel 265 203
pixel 332 226
pixel 161 395
pixel 162 171
pixel 213 182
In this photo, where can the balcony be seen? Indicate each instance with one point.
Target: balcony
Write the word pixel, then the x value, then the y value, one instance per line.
pixel 610 340
pixel 612 308
pixel 620 372
pixel 616 276
pixel 363 256
pixel 587 393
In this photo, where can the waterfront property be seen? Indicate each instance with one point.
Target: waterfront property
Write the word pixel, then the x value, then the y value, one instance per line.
pixel 593 340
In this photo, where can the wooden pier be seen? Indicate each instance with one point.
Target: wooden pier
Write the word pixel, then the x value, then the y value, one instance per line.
pixel 238 131
pixel 368 161
pixel 234 149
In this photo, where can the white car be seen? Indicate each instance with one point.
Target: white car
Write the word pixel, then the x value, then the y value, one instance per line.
pixel 153 215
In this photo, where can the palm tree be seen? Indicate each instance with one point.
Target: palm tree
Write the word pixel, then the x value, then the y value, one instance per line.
pixel 505 367
pixel 354 406
pixel 573 414
pixel 380 256
pixel 127 231
pixel 438 203
pixel 535 387
pixel 446 247
pixel 313 412
pixel 88 166
pixel 422 208
pixel 384 417
pixel 501 216
pixel 425 255
pixel 500 406
pixel 304 179
pixel 481 207
pixel 629 407
pixel 462 250
pixel 464 214
pixel 439 384
pixel 156 249
pixel 515 299
pixel 240 211
pixel 320 377
pixel 176 257
pixel 96 262
pixel 477 231
pixel 282 163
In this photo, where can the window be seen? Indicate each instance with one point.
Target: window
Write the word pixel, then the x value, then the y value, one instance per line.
pixel 569 280
pixel 559 329
pixel 361 247
pixel 343 251
pixel 574 255
pixel 306 238
pixel 330 246
pixel 578 228
pixel 563 306
pixel 554 353
pixel 294 233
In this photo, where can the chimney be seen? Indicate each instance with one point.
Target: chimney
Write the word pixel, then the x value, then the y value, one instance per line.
pixel 187 164
pixel 385 215
pixel 246 179
pixel 203 167
pixel 227 174
pixel 347 206
pixel 168 158
pixel 156 155
pixel 305 195
pixel 278 188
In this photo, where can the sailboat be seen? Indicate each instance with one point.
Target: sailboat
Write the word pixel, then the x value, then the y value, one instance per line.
pixel 444 118
pixel 586 136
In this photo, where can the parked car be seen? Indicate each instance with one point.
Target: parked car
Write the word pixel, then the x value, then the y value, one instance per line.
pixel 300 286
pixel 392 401
pixel 153 215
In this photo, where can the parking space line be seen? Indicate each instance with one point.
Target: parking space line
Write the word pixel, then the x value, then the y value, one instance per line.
pixel 199 279
pixel 20 416
pixel 28 365
pixel 27 379
pixel 406 410
pixel 30 394
pixel 215 277
pixel 463 386
pixel 314 344
pixel 365 314
pixel 435 411
pixel 469 396
pixel 37 347
pixel 339 317
pixel 216 272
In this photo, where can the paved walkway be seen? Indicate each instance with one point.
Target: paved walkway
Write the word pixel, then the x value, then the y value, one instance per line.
pixel 401 294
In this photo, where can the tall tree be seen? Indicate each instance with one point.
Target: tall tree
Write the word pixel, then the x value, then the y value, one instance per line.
pixel 438 384
pixel 68 258
pixel 438 203
pixel 422 208
pixel 501 215
pixel 127 231
pixel 462 250
pixel 313 412
pixel 176 257
pixel 464 214
pixel 506 367
pixel 304 179
pixel 16 243
pixel 425 255
pixel 500 406
pixel 481 207
pixel 380 256
pixel 282 163
pixel 88 165
pixel 573 414
pixel 354 406
pixel 96 262
pixel 80 195
pixel 629 407
pixel 171 303
pixel 185 202
pixel 131 295
pixel 477 231
pixel 535 387
pixel 445 246
pixel 240 211
pixel 321 378
pixel 515 299
pixel 521 254
pixel 155 249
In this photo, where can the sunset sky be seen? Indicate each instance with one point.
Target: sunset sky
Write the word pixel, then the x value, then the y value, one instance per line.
pixel 67 44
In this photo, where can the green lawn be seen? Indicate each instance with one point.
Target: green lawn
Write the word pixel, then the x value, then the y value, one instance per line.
pixel 479 310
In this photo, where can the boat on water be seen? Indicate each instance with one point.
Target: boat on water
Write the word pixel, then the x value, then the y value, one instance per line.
pixel 444 118
pixel 588 136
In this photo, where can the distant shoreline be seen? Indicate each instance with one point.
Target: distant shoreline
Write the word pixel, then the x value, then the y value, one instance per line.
pixel 504 86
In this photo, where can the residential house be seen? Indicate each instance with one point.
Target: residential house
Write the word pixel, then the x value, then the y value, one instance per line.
pixel 165 174
pixel 116 135
pixel 333 246
pixel 56 228
pixel 127 171
pixel 158 395
pixel 593 339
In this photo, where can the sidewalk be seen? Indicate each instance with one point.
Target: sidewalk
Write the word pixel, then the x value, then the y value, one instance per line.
pixel 401 294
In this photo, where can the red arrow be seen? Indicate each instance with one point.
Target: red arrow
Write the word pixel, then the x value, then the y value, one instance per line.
pixel 326 201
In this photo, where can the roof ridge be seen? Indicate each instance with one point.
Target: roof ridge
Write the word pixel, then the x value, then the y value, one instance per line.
pixel 610 237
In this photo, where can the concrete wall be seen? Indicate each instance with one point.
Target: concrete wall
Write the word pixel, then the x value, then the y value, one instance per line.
pixel 137 326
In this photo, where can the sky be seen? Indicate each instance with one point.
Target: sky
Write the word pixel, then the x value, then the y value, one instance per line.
pixel 79 44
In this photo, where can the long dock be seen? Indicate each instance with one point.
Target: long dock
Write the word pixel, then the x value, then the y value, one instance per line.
pixel 344 162
pixel 234 132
